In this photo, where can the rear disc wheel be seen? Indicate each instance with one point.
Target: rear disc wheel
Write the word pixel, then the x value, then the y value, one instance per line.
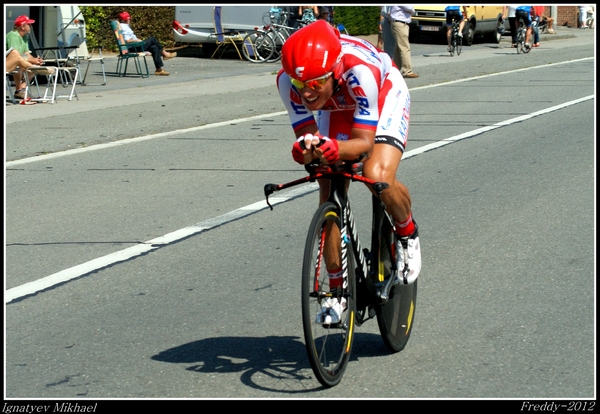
pixel 394 317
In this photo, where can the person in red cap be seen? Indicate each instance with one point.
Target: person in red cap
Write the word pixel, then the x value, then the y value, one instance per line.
pixel 16 39
pixel 150 45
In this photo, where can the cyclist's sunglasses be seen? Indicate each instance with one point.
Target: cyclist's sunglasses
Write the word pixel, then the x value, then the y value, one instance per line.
pixel 314 84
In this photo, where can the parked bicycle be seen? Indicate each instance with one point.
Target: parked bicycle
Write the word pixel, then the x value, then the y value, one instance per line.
pixel 258 46
pixel 371 286
pixel 455 39
pixel 264 44
pixel 521 32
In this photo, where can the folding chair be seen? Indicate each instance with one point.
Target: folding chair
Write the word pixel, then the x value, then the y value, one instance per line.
pixel 82 54
pixel 225 38
pixel 128 51
pixel 52 75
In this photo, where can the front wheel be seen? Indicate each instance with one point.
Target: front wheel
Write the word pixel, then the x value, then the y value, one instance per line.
pixel 328 346
pixel 394 317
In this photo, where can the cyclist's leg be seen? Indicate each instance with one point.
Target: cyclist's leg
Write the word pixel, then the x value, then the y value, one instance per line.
pixel 332 243
pixel 461 24
pixel 449 28
pixel 331 310
pixel 528 25
pixel 390 142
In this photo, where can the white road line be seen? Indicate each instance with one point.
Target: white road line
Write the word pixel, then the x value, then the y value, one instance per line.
pixel 96 147
pixel 63 276
pixel 44 157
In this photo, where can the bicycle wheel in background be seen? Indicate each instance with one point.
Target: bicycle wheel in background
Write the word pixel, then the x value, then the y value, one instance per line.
pixel 459 41
pixel 520 37
pixel 395 317
pixel 278 40
pixel 328 347
pixel 257 47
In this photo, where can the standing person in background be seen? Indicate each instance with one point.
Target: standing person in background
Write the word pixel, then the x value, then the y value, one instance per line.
pixel 329 10
pixel 324 15
pixel 150 44
pixel 583 16
pixel 308 14
pixel 509 12
pixel 536 28
pixel 400 18
pixel 293 16
pixel 386 41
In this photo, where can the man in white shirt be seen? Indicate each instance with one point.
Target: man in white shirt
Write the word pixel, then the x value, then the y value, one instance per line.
pixel 150 45
pixel 400 18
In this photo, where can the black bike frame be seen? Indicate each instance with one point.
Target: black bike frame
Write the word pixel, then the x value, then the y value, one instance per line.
pixel 368 267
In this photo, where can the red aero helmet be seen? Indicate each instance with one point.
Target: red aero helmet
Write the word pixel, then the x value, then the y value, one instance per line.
pixel 312 52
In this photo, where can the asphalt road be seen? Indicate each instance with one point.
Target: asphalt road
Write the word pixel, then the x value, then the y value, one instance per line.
pixel 142 263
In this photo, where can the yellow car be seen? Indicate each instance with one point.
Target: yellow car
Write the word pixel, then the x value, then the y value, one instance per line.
pixel 483 21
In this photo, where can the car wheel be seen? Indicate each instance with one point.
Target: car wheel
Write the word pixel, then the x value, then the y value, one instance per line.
pixel 497 36
pixel 470 34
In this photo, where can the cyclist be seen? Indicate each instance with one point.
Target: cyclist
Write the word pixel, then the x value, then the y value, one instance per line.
pixel 526 13
pixel 363 108
pixel 454 13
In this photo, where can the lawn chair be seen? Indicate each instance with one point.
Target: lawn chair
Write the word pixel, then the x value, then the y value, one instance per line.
pixel 225 38
pixel 128 51
pixel 95 55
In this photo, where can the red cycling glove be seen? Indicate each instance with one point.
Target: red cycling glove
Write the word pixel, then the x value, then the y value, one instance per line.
pixel 297 150
pixel 330 148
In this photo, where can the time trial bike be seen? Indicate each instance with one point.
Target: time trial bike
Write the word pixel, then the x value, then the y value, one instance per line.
pixel 372 286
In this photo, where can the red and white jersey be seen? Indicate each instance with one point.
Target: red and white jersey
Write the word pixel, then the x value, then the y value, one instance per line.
pixel 371 95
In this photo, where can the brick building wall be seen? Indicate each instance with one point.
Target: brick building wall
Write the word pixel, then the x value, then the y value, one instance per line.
pixel 566 16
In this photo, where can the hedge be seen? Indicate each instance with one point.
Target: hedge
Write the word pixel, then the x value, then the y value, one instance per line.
pixel 157 21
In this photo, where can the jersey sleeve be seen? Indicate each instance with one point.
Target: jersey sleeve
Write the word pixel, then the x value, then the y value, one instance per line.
pixel 363 87
pixel 300 116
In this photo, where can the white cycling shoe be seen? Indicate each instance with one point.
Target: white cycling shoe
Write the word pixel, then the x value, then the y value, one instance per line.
pixel 331 311
pixel 408 253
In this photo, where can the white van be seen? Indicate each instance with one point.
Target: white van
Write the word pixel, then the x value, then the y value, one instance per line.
pixel 54 26
pixel 195 24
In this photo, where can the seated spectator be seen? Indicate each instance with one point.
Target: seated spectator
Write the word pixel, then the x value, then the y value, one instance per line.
pixel 15 39
pixel 549 21
pixel 150 45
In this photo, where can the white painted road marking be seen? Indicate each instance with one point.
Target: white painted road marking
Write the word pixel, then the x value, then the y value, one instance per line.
pixel 145 247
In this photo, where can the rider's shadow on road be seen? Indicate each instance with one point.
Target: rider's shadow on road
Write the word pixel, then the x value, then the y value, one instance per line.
pixel 281 360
